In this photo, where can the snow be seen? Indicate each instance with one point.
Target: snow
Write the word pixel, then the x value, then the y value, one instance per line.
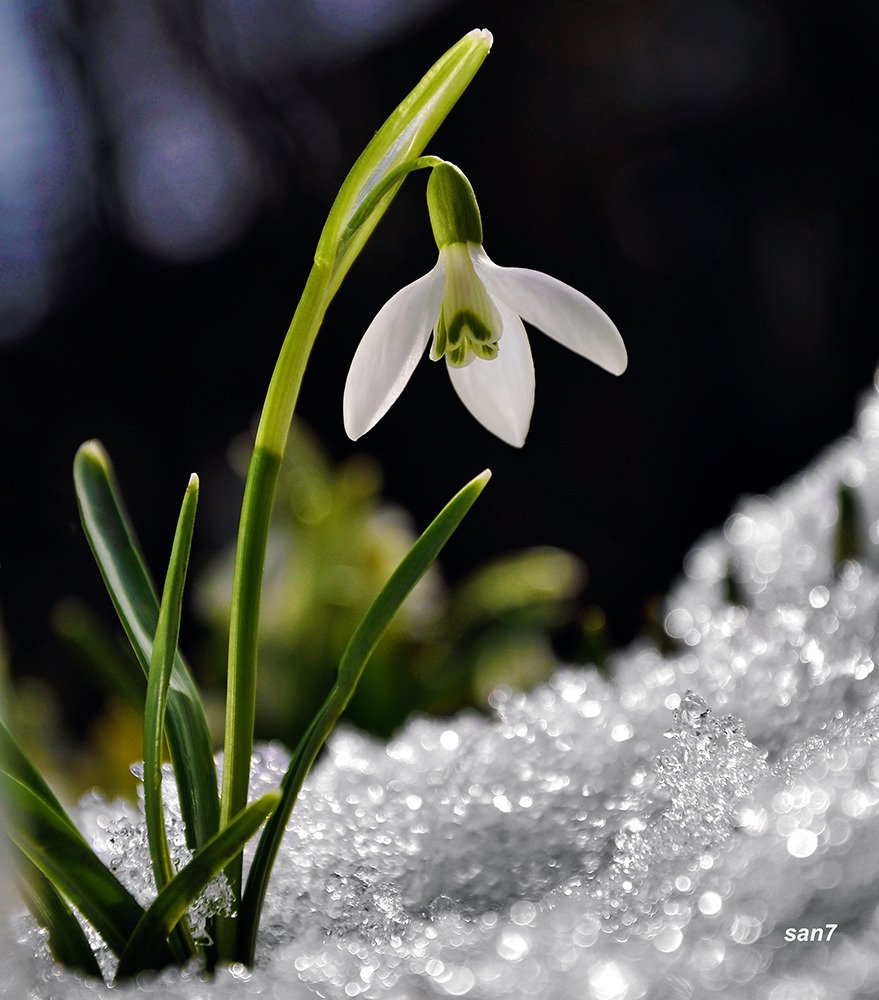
pixel 651 831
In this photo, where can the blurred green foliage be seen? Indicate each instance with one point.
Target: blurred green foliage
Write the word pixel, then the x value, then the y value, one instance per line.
pixel 333 543
pixel 31 709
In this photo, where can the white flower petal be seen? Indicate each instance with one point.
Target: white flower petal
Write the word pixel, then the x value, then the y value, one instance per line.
pixel 560 311
pixel 500 392
pixel 389 351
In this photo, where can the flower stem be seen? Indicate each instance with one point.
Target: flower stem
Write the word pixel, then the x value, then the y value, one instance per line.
pixel 365 195
pixel 256 511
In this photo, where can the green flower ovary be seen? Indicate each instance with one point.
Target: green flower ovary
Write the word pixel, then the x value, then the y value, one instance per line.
pixel 469 325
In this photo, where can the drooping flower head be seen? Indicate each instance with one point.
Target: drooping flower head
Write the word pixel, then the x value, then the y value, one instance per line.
pixel 474 308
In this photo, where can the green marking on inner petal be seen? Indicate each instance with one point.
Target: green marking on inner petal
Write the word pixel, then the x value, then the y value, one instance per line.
pixel 440 340
pixel 458 356
pixel 454 331
pixel 468 323
pixel 485 351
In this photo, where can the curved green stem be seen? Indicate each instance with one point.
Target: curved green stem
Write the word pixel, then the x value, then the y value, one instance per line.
pixel 256 511
pixel 365 195
pixel 283 391
pixel 381 191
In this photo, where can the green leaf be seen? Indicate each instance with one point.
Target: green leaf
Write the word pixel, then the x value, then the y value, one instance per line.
pixel 175 899
pixel 122 566
pixel 28 804
pixel 161 665
pixel 16 763
pixel 63 856
pixel 364 640
pixel 67 940
pixel 415 564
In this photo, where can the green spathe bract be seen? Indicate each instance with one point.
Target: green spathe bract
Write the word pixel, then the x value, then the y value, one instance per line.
pixel 58 869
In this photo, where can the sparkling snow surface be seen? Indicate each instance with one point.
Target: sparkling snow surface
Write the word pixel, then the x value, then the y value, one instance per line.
pixel 648 834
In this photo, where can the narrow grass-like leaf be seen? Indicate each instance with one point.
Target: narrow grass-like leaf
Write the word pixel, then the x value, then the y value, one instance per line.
pixel 67 940
pixel 161 665
pixel 64 857
pixel 415 564
pixel 175 899
pixel 131 589
pixel 16 763
pixel 364 640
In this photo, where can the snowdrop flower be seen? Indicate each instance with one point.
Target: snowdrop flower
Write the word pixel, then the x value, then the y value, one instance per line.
pixel 474 308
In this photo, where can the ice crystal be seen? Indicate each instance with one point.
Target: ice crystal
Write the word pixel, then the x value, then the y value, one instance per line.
pixel 648 833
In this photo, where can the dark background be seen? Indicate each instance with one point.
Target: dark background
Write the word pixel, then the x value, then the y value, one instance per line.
pixel 701 168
